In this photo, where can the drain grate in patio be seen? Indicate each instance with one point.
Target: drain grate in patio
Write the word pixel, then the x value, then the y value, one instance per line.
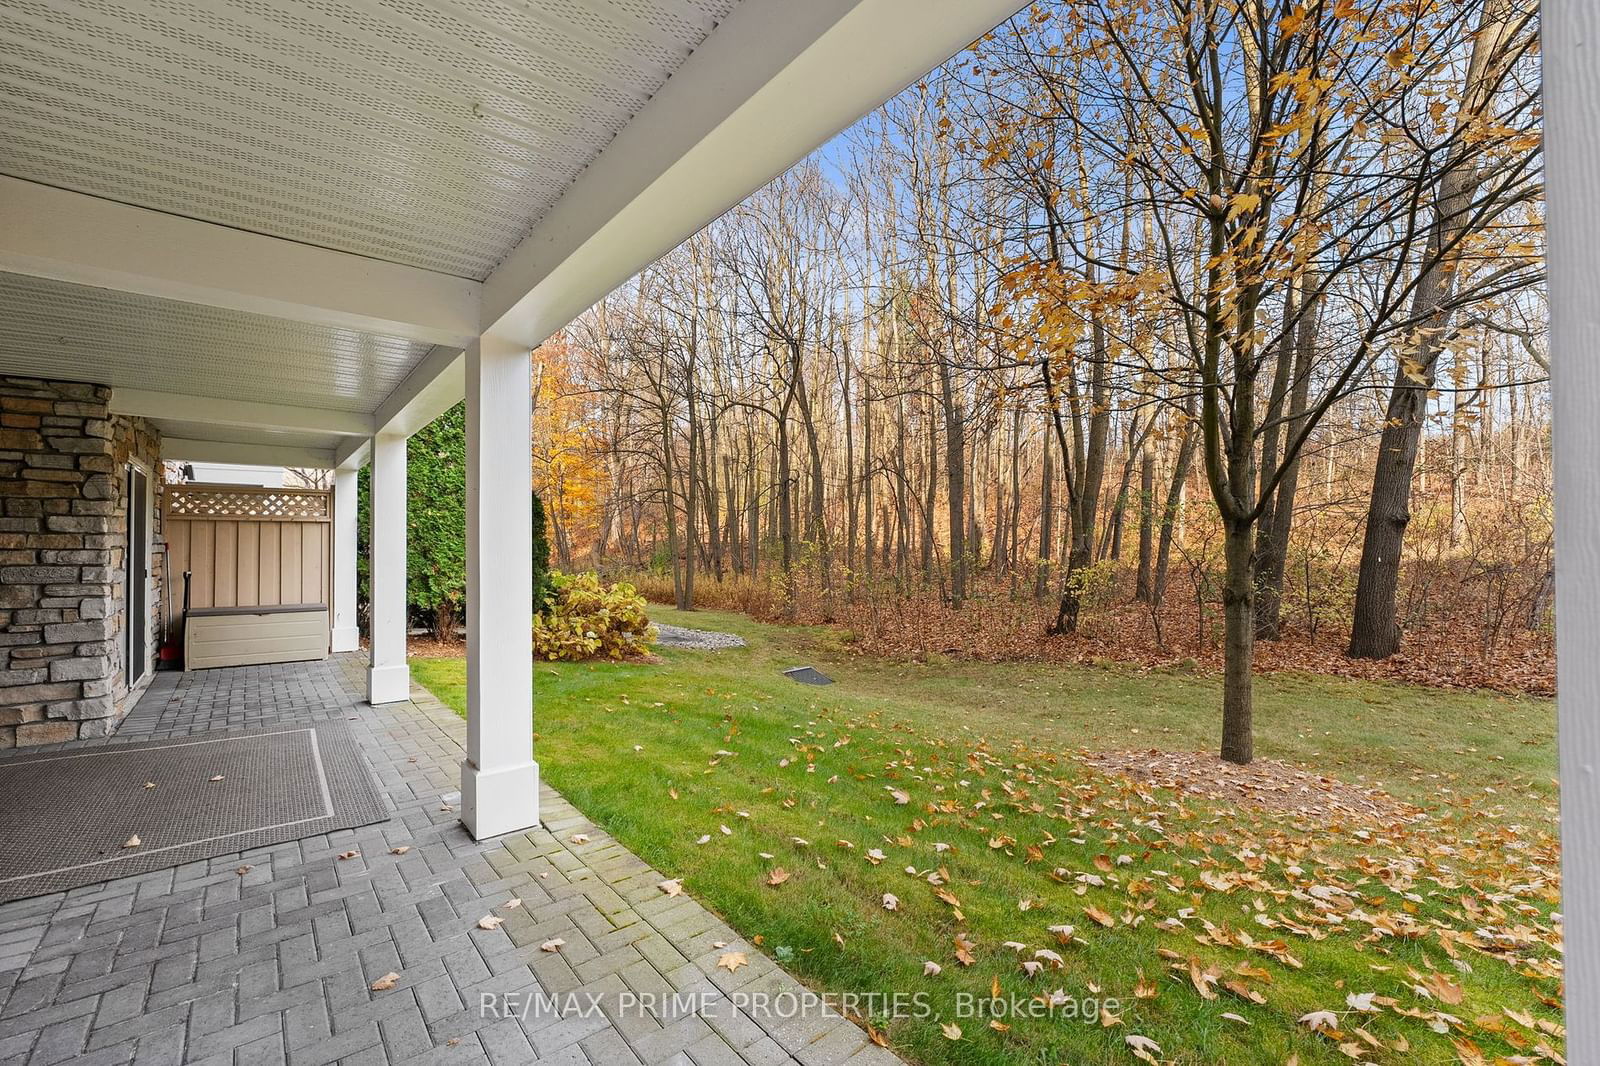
pixel 67 817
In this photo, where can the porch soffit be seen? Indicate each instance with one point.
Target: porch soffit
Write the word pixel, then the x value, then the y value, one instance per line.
pixel 245 167
pixel 431 133
pixel 56 329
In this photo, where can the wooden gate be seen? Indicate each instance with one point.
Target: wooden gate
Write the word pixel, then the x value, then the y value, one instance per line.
pixel 259 561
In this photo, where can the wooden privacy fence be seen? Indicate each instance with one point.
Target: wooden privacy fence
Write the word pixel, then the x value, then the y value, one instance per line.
pixel 248 547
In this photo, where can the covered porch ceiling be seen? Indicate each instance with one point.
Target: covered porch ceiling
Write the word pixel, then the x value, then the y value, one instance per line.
pixel 273 228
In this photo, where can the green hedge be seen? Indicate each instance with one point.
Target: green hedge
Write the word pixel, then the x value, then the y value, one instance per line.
pixel 436 528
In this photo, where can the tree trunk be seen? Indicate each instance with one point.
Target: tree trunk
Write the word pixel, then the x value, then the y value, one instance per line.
pixel 730 489
pixel 1276 525
pixel 712 497
pixel 1238 599
pixel 1014 544
pixel 866 474
pixel 1047 514
pixel 1458 475
pixel 1172 510
pixel 1084 507
pixel 785 501
pixel 1143 586
pixel 955 472
pixel 753 510
pixel 691 500
pixel 1375 630
pixel 930 494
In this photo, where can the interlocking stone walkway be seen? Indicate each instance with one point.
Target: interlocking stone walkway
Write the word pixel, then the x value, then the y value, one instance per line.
pixel 204 964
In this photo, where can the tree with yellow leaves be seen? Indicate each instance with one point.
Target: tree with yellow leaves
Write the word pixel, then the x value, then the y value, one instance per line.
pixel 1295 171
pixel 568 458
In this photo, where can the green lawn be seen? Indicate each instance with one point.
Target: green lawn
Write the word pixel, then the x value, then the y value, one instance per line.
pixel 1270 918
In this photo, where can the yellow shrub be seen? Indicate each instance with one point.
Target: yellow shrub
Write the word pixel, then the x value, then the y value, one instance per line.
pixel 587 619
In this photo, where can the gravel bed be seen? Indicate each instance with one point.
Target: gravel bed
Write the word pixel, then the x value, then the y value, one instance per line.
pixel 700 639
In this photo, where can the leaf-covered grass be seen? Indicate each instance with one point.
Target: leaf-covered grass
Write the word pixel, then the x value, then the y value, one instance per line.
pixel 1459 902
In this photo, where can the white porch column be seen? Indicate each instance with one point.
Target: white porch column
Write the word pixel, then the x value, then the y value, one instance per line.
pixel 499 779
pixel 1571 33
pixel 346 637
pixel 389 679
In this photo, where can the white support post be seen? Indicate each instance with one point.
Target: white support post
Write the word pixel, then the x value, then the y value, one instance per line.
pixel 1571 33
pixel 389 679
pixel 499 779
pixel 346 637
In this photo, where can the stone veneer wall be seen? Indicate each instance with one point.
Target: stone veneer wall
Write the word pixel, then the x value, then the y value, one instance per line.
pixel 63 534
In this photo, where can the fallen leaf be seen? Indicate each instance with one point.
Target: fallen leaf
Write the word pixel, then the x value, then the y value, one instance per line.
pixel 241 871
pixel 1320 1021
pixel 348 854
pixel 401 850
pixel 384 983
pixel 732 960
pixel 1143 1047
pixel 931 969
pixel 951 1030
pixel 1361 1002
pixel 777 877
pixel 891 902
pixel 133 841
pixel 552 945
pixel 673 887
pixel 580 838
pixel 490 921
pixel 217 778
pixel 512 904
pixel 1447 991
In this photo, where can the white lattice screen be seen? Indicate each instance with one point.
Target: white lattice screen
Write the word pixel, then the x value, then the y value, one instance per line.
pixel 244 504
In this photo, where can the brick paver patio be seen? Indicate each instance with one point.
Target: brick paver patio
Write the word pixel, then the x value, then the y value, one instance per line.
pixel 203 963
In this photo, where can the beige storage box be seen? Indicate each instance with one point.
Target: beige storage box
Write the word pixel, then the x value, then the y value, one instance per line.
pixel 248 636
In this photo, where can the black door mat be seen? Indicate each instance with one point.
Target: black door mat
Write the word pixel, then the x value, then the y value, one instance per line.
pixel 68 818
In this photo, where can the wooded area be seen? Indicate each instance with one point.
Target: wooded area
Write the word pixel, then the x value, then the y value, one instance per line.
pixel 1154 331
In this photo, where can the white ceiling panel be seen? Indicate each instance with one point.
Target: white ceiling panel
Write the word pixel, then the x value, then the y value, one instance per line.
pixel 72 332
pixel 175 427
pixel 433 133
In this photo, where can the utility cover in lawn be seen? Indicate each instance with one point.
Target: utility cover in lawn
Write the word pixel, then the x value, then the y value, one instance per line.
pixel 807 675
